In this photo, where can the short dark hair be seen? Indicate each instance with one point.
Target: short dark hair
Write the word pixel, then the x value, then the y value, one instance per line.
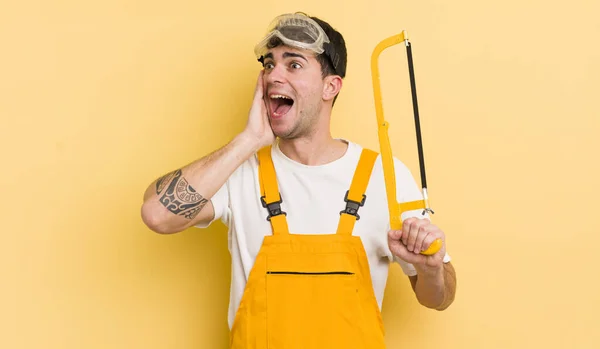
pixel 335 58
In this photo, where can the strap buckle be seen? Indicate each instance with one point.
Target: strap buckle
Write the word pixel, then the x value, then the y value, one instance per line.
pixel 274 208
pixel 353 206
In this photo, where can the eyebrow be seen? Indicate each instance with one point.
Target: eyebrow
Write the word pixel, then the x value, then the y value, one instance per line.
pixel 287 55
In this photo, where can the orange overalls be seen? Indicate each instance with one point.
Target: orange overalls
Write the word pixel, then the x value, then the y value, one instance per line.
pixel 310 291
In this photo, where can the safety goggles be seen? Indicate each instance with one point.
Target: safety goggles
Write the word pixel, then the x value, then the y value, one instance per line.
pixel 295 30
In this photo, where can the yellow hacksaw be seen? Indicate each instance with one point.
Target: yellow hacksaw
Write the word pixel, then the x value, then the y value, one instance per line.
pixel 397 208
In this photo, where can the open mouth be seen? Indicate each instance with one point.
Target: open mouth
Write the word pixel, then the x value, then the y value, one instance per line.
pixel 280 105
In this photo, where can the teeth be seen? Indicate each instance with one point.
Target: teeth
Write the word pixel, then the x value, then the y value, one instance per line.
pixel 280 96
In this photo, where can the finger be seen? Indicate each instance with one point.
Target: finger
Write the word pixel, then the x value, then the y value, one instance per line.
pixel 262 81
pixel 259 79
pixel 418 232
pixel 399 249
pixel 395 234
pixel 401 252
pixel 412 238
pixel 406 225
pixel 423 233
pixel 429 239
pixel 258 91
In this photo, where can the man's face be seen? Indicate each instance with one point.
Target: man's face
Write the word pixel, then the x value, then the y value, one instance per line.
pixel 293 91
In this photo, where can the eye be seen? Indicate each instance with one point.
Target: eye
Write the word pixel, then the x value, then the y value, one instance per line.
pixel 296 65
pixel 269 65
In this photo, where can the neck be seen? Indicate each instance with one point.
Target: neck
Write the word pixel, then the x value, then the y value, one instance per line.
pixel 313 150
pixel 316 147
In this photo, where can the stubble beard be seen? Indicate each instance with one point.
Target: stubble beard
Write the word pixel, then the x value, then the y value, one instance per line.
pixel 304 126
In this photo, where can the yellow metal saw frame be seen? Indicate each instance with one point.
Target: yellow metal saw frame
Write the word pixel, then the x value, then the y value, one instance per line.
pixel 395 208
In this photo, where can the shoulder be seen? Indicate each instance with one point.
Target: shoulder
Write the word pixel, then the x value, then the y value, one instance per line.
pixel 400 168
pixel 406 184
pixel 356 149
pixel 402 171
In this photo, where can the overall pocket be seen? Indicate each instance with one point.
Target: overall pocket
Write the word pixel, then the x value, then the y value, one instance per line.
pixel 313 302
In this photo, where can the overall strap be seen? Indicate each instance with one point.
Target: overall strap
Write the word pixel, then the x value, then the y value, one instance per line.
pixel 271 199
pixel 355 197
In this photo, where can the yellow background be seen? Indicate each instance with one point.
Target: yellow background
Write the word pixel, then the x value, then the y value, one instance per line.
pixel 99 98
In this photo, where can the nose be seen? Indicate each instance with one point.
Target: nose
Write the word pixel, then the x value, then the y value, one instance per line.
pixel 276 75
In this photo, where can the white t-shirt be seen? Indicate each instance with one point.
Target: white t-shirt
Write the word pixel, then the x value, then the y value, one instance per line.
pixel 313 197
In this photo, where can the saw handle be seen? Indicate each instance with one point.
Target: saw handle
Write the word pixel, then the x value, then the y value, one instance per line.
pixel 396 224
pixel 435 246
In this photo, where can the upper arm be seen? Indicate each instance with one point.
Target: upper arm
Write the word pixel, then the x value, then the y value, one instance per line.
pixel 407 188
pixel 215 208
pixel 205 216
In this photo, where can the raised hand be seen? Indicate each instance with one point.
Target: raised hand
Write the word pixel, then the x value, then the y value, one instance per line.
pixel 258 126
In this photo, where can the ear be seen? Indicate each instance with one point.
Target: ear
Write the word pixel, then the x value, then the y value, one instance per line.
pixel 331 87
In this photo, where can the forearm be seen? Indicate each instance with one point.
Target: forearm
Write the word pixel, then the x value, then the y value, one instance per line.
pixel 435 287
pixel 175 201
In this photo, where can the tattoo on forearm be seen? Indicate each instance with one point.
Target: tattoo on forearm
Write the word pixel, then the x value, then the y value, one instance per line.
pixel 178 196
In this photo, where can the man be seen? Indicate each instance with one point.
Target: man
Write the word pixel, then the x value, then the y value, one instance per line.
pixel 304 274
